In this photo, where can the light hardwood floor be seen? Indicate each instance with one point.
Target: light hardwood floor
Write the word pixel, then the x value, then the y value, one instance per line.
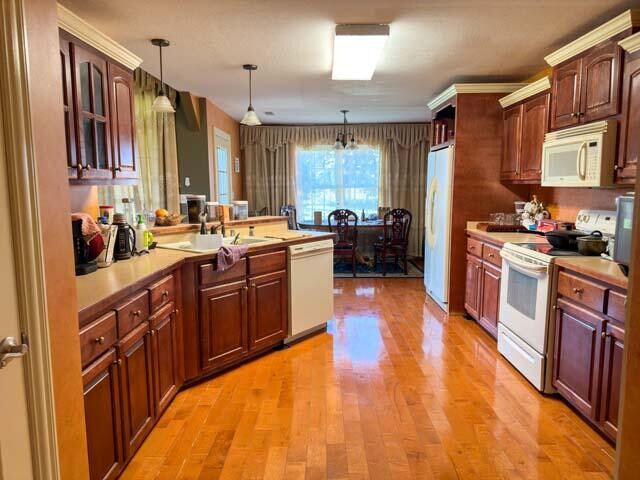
pixel 392 391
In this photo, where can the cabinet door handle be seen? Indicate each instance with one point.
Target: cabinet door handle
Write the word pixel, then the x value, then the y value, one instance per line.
pixel 253 285
pixel 100 340
pixel 153 332
pixel 118 169
pixel 176 311
pixel 574 114
pixel 578 291
pixel 605 335
pixel 117 362
pixel 245 288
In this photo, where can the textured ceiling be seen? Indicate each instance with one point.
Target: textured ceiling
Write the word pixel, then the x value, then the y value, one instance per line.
pixel 432 44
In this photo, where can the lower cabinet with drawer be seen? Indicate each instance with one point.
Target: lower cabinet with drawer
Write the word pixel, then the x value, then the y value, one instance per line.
pixel 482 291
pixel 131 372
pixel 589 344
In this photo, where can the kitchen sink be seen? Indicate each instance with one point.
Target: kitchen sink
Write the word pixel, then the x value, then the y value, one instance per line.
pixel 190 244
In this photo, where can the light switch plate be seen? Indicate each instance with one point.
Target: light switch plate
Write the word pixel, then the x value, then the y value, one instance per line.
pixel 237 165
pixel 187 182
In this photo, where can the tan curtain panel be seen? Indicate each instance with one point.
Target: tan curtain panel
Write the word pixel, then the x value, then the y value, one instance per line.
pixel 156 152
pixel 269 154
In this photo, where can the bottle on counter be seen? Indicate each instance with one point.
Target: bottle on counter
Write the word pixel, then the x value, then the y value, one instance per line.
pixel 141 237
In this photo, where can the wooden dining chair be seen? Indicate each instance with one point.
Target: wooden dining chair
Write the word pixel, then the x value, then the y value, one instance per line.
pixel 344 223
pixel 289 211
pixel 395 238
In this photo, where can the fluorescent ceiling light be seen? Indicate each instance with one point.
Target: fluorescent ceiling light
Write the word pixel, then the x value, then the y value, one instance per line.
pixel 356 50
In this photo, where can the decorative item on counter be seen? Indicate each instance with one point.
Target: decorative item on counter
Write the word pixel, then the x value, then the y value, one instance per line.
pixel 549 225
pixel 167 219
pixel 363 217
pixel 107 211
pixel 240 209
pixel 534 211
pixel 317 218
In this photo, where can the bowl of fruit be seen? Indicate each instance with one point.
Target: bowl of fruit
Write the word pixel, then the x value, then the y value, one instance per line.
pixel 165 218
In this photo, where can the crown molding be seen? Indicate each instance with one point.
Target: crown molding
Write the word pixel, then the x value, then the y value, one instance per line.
pixel 632 43
pixel 458 88
pixel 530 90
pixel 590 128
pixel 70 22
pixel 624 21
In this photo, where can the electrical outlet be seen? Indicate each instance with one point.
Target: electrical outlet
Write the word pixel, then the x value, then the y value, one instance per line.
pixel 187 182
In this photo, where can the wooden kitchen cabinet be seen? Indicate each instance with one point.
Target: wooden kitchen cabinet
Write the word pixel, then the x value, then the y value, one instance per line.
pixel 137 387
pixel 510 165
pixel 164 356
pixel 223 324
pixel 577 356
pixel 535 125
pixel 66 64
pixel 526 121
pixel 92 114
pixel 489 298
pixel 473 286
pixel 587 87
pixel 629 147
pixel 611 379
pixel 103 417
pixel 99 115
pixel 123 126
pixel 268 311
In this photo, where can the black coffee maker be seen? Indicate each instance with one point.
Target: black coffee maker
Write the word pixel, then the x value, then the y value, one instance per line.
pixel 81 250
pixel 125 238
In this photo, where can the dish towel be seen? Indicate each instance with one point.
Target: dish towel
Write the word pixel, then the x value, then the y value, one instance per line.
pixel 228 255
pixel 89 226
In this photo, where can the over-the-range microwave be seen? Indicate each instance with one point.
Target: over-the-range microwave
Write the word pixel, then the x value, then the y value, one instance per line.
pixel 582 156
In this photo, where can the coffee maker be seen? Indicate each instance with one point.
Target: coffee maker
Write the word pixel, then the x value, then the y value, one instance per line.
pixel 81 250
pixel 125 238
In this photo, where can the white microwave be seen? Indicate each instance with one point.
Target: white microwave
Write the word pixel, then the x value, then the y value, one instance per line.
pixel 582 156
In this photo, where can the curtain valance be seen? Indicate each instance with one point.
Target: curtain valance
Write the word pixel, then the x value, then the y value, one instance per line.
pixel 405 135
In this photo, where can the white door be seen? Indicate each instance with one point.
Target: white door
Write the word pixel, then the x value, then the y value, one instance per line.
pixel 15 447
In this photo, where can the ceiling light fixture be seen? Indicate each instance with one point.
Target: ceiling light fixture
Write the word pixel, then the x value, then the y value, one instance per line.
pixel 356 50
pixel 341 139
pixel 161 104
pixel 250 118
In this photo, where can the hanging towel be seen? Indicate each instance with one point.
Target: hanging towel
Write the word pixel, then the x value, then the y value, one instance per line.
pixel 228 255
pixel 89 226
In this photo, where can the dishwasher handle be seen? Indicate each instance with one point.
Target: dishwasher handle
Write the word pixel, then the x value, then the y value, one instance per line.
pixel 308 252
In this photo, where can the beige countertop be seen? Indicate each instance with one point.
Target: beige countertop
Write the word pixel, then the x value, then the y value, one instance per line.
pixel 596 267
pixel 501 238
pixel 105 283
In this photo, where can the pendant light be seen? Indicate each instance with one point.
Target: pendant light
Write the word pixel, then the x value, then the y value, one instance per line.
pixel 161 104
pixel 250 118
pixel 341 139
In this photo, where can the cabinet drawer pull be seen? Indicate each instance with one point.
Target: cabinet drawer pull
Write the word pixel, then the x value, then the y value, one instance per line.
pixel 490 255
pixel 253 285
pixel 165 294
pixel 100 340
pixel 477 267
pixel 578 290
pixel 136 313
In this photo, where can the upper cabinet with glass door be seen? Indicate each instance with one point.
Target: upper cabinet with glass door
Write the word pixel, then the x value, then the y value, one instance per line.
pixel 99 114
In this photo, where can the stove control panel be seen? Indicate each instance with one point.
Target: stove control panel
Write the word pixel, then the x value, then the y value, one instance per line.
pixel 602 220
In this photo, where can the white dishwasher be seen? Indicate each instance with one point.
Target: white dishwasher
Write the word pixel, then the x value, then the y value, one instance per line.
pixel 310 288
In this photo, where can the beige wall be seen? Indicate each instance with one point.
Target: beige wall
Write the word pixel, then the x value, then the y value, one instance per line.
pixel 219 119
pixel 45 98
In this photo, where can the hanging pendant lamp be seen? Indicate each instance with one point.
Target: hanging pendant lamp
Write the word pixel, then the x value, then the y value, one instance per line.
pixel 161 104
pixel 342 141
pixel 250 118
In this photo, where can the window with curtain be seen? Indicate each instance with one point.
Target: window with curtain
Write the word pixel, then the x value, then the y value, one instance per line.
pixel 327 179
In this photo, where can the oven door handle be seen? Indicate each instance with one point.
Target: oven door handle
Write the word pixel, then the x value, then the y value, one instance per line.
pixel 523 267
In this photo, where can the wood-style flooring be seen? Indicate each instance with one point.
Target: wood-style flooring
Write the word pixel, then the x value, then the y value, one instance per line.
pixel 393 390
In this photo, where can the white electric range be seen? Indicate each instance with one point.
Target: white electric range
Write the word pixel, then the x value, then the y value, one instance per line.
pixel 526 320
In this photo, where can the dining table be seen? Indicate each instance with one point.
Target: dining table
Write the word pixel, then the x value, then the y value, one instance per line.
pixel 369 232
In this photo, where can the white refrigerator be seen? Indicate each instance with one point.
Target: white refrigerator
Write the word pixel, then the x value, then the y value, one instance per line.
pixel 438 225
